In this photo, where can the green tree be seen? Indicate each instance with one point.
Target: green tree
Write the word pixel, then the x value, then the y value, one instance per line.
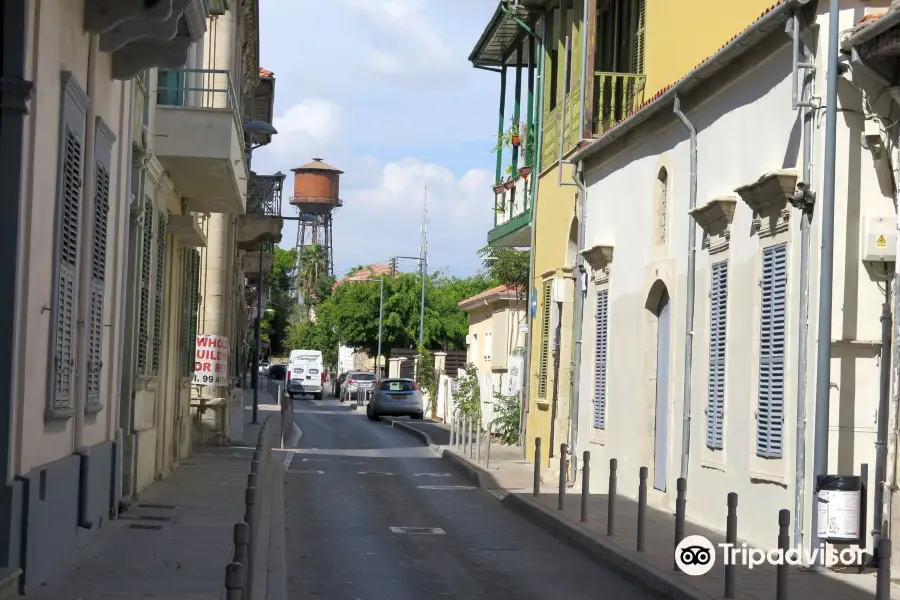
pixel 508 266
pixel 280 285
pixel 313 271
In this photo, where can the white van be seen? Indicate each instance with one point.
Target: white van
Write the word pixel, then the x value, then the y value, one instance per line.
pixel 305 374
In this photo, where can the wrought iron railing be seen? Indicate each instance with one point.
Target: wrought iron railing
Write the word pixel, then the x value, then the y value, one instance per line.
pixel 199 88
pixel 264 194
pixel 616 97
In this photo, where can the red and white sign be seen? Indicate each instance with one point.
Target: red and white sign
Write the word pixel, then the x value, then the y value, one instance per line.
pixel 211 360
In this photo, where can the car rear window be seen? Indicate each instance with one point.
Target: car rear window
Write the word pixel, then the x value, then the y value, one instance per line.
pixel 364 377
pixel 397 386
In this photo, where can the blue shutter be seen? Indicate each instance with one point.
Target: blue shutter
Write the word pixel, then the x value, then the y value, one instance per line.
pixel 170 87
pixel 770 399
pixel 602 328
pixel 715 409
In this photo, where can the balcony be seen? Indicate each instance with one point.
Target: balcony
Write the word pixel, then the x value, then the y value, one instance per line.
pixel 553 123
pixel 616 97
pixel 263 219
pixel 199 139
pixel 512 216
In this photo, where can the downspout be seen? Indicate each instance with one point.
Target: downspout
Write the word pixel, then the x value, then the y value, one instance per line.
pixel 539 123
pixel 804 200
pixel 893 416
pixel 689 299
pixel 84 292
pixel 580 280
pixel 118 472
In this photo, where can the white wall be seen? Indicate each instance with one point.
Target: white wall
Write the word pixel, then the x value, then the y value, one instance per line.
pixel 745 130
pixel 63 45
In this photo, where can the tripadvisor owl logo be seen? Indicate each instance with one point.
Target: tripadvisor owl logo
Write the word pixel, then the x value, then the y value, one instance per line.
pixel 696 555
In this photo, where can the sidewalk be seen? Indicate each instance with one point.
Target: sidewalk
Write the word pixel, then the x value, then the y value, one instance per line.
pixel 176 540
pixel 653 568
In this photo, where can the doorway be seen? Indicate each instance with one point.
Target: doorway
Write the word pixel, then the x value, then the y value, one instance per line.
pixel 661 428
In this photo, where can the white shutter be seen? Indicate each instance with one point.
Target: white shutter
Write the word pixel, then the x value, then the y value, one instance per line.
pixel 770 397
pixel 601 341
pixel 146 262
pixel 715 409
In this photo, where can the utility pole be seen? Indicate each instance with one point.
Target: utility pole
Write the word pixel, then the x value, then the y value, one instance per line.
pixel 394 267
pixel 423 267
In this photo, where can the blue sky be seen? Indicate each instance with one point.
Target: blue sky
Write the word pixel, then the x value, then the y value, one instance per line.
pixel 382 90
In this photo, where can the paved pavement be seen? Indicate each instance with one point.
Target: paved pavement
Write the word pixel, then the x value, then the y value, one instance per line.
pixel 655 566
pixel 354 485
pixel 174 542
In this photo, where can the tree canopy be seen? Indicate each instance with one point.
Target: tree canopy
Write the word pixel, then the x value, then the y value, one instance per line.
pixel 509 266
pixel 349 316
pixel 281 287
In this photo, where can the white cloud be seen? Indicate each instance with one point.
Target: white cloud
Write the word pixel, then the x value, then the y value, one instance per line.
pixel 411 46
pixel 313 117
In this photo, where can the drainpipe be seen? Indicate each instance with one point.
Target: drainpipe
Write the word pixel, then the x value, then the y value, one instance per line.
pixel 580 280
pixel 804 200
pixel 118 472
pixel 84 292
pixel 689 299
pixel 539 118
pixel 890 468
pixel 826 281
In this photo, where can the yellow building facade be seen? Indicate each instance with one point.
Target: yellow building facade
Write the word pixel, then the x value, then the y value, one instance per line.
pixel 623 52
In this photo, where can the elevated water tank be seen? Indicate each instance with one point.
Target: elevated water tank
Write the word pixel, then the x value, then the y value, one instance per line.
pixel 316 187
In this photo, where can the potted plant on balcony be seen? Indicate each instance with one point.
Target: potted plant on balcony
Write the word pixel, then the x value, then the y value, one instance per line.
pixel 514 138
pixel 524 172
pixel 500 206
pixel 499 187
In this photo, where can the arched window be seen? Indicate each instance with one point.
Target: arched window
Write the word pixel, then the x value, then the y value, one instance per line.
pixel 662 205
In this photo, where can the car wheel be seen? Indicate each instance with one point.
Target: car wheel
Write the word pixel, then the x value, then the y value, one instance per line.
pixel 317 396
pixel 370 412
pixel 290 395
pixel 417 416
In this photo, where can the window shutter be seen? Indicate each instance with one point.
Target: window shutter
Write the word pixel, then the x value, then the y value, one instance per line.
pixel 600 359
pixel 160 277
pixel 103 144
pixel 195 305
pixel 715 409
pixel 184 325
pixel 68 199
pixel 144 321
pixel 770 399
pixel 170 87
pixel 640 36
pixel 544 363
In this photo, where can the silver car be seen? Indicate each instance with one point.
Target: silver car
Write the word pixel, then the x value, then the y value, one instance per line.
pixel 357 383
pixel 395 398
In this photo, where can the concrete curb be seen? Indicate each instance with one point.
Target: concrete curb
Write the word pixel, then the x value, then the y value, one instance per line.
pixel 594 547
pixel 416 433
pixel 276 584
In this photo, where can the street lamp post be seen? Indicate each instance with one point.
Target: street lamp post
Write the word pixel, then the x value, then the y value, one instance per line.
pixel 380 318
pixel 257 331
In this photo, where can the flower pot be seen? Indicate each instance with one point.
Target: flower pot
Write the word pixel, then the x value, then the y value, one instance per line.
pixel 499 188
pixel 509 185
pixel 524 172
pixel 516 141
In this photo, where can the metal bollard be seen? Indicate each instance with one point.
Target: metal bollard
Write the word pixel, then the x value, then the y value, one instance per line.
pixel 473 440
pixel 241 540
pixel 563 449
pixel 611 498
pixel 234 581
pixel 731 538
pixel 784 544
pixel 465 440
pixel 883 578
pixel 453 430
pixel 487 455
pixel 585 484
pixel 863 516
pixel 537 467
pixel 478 440
pixel 680 509
pixel 642 509
pixel 250 519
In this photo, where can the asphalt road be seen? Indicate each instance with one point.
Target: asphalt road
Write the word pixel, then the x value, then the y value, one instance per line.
pixel 355 482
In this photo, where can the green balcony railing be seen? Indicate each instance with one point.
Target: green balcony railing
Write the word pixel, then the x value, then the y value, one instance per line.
pixel 616 97
pixel 199 88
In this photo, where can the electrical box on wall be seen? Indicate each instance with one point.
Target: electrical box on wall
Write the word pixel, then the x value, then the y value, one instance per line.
pixel 879 240
pixel 563 289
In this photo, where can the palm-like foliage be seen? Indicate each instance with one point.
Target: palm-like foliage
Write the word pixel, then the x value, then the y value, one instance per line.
pixel 313 266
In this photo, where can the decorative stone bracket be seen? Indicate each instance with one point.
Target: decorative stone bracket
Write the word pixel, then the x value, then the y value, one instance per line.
pixel 715 218
pixel 600 260
pixel 769 198
pixel 186 228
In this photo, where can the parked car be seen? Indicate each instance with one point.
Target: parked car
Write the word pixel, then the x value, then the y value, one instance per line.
pixel 306 374
pixel 263 368
pixel 355 383
pixel 396 397
pixel 337 384
pixel 276 372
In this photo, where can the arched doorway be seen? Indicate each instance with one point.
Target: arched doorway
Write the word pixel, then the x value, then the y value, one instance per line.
pixel 659 305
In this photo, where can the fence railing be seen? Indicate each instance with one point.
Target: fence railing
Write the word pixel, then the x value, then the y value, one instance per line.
pixel 616 96
pixel 199 88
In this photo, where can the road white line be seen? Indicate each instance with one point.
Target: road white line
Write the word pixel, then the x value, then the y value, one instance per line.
pixel 306 471
pixel 419 530
pixel 431 474
pixel 446 487
pixel 374 473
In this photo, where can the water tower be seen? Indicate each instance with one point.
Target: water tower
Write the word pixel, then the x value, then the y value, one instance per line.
pixel 316 197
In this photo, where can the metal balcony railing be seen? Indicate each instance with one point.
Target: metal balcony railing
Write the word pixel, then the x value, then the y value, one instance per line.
pixel 264 194
pixel 616 97
pixel 199 88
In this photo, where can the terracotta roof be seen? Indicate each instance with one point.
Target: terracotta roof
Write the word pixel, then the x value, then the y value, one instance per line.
pixel 266 73
pixel 871 26
pixel 736 46
pixel 373 271
pixel 502 291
